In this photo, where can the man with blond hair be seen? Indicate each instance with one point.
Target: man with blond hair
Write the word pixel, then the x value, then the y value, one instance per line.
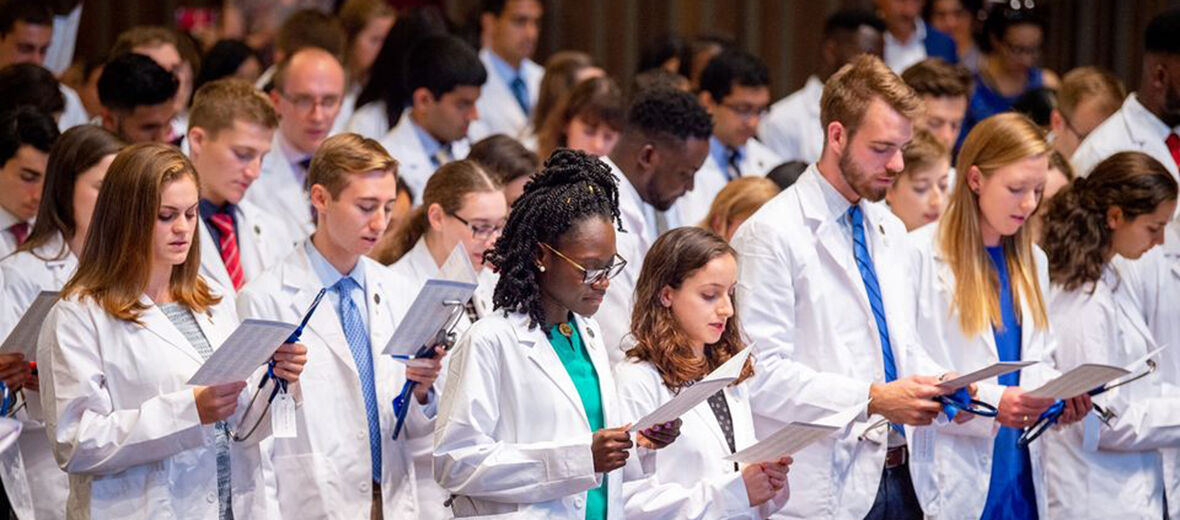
pixel 1088 95
pixel 230 129
pixel 830 307
pixel 328 470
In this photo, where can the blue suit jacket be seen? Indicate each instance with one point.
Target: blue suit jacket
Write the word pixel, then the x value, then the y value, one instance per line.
pixel 940 45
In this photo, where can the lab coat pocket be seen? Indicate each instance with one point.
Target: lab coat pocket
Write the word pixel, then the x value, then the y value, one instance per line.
pixel 129 494
pixel 318 479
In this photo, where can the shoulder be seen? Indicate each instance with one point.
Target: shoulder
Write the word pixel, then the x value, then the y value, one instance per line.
pixel 632 372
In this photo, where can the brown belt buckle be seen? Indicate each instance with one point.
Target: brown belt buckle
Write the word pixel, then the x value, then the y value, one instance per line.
pixel 895 457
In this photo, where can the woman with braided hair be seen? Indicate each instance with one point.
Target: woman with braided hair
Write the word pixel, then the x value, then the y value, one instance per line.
pixel 1111 468
pixel 530 421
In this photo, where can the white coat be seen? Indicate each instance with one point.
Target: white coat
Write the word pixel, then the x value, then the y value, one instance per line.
pixel 512 439
pixel 369 120
pixel 808 315
pixel 74 113
pixel 1123 476
pixel 757 161
pixel 1154 282
pixel 325 472
pixel 954 483
pixel 261 244
pixel 691 478
pixel 614 315
pixel 123 423
pixel 497 106
pixel 792 129
pixel 36 487
pixel 416 267
pixel 347 108
pixel 1131 128
pixel 413 165
pixel 280 193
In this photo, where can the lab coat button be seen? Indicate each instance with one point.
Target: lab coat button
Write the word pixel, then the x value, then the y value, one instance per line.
pixel 211 498
pixel 360 435
pixel 579 503
pixel 365 487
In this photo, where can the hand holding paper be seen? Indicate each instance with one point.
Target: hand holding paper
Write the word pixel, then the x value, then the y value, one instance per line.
pixel 696 394
pixel 249 347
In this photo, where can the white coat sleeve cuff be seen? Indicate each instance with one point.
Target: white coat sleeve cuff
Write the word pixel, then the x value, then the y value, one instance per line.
pixel 733 493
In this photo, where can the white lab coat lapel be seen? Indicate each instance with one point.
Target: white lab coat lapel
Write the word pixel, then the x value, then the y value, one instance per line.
pixel 414 166
pixel 1145 137
pixel 541 353
pixel 947 286
pixel 832 240
pixel 60 269
pixel 253 250
pixel 497 104
pixel 157 322
pixel 592 339
pixel 380 320
pixel 298 277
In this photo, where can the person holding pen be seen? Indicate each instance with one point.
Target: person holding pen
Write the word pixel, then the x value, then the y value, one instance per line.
pixel 685 326
pixel 530 423
pixel 133 324
pixel 343 462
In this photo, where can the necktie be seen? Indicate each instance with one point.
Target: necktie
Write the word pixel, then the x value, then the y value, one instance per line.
pixel 864 263
pixel 1173 142
pixel 362 353
pixel 228 244
pixel 20 231
pixel 442 156
pixel 521 92
pixel 661 222
pixel 735 169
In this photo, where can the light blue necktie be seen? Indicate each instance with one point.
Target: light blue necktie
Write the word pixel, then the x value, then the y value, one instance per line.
pixel 864 264
pixel 521 92
pixel 362 354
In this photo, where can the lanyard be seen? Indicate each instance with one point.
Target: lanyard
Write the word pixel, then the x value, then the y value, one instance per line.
pixel 445 337
pixel 961 401
pixel 1049 417
pixel 280 384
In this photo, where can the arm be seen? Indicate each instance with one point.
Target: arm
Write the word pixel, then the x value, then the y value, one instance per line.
pixel 469 460
pixel 88 435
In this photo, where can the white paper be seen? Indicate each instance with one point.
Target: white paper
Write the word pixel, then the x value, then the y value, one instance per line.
pixel 696 394
pixel 995 370
pixel 427 315
pixel 458 267
pixel 1078 381
pixel 795 436
pixel 249 347
pixel 23 338
pixel 9 432
pixel 282 417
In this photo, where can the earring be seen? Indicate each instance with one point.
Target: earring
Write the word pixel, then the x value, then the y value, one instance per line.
pixel 540 268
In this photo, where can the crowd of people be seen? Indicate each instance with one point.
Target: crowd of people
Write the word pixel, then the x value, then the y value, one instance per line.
pixel 931 202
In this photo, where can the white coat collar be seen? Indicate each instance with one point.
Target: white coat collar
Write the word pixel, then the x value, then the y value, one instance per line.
pixel 630 203
pixel 154 320
pixel 538 349
pixel 1142 125
pixel 301 281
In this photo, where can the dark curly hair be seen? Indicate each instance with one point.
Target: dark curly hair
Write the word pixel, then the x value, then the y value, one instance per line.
pixel 1077 236
pixel 572 187
pixel 668 113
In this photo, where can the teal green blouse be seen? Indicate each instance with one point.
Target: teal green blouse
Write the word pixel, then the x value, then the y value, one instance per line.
pixel 576 360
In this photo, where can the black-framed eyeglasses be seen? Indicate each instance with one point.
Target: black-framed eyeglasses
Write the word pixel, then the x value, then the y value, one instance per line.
pixel 747 111
pixel 480 231
pixel 593 276
pixel 306 103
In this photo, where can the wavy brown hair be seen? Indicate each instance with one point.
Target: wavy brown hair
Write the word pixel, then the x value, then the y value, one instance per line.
pixel 1077 236
pixel 674 257
pixel 116 263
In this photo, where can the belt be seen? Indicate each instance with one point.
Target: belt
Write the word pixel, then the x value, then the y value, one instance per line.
pixel 896 457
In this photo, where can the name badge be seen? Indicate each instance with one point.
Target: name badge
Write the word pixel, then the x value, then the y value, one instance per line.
pixel 282 416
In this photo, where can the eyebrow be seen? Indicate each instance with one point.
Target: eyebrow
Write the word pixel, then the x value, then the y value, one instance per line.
pixel 32 171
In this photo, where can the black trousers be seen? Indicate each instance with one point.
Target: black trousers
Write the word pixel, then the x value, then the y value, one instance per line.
pixel 896 499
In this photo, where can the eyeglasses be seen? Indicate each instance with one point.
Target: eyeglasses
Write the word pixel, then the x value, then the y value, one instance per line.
pixel 747 111
pixel 305 103
pixel 1069 125
pixel 480 231
pixel 593 276
pixel 1031 51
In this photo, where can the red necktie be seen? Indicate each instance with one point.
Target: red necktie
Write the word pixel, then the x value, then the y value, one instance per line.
pixel 1173 142
pixel 229 248
pixel 20 230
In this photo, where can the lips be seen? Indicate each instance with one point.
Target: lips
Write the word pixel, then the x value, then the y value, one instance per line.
pixel 717 327
pixel 595 297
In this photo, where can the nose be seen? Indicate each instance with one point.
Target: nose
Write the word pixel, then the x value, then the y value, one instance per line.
pixel 1030 201
pixel 726 309
pixel 896 162
pixel 936 197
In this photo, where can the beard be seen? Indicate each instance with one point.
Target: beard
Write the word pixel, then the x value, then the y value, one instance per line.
pixel 861 182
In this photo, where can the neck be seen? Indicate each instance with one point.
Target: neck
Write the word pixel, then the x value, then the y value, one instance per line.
pixel 991 237
pixel 213 198
pixel 76 242
pixel 343 261
pixel 698 350
pixel 628 164
pixel 157 287
pixel 513 62
pixel 903 30
pixel 1154 103
pixel 419 119
pixel 829 168
pixel 554 312
pixel 437 252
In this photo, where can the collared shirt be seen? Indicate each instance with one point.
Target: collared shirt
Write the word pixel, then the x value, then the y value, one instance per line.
pixel 720 153
pixel 207 210
pixel 900 55
pixel 430 145
pixel 7 240
pixel 1137 112
pixel 293 157
pixel 328 275
pixel 506 71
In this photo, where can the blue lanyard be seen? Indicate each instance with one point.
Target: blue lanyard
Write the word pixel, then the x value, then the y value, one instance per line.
pixel 961 401
pixel 1049 417
pixel 445 337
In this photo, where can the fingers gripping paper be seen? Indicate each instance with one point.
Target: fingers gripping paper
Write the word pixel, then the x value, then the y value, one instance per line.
pixel 1087 377
pixel 250 345
pixel 696 394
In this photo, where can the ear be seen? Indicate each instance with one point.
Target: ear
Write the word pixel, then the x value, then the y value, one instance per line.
pixel 974 179
pixel 422 98
pixel 274 99
pixel 319 199
pixel 486 21
pixel 542 259
pixel 648 157
pixel 666 297
pixel 707 101
pixel 837 137
pixel 435 216
pixel 1056 122
pixel 108 120
pixel 1114 217
pixel 196 140
pixel 718 225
